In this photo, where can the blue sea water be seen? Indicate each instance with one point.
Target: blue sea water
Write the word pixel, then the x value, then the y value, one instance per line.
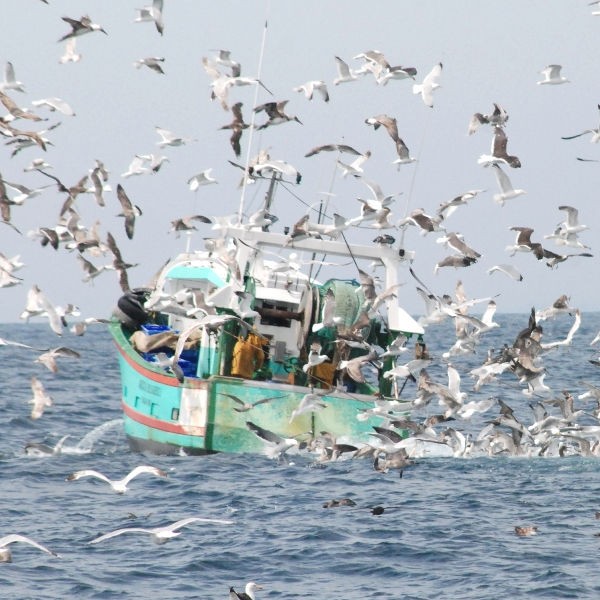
pixel 447 531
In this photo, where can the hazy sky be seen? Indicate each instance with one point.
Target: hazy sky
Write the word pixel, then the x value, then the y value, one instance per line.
pixel 491 52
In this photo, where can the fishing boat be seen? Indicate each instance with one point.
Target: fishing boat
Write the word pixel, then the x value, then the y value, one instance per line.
pixel 239 342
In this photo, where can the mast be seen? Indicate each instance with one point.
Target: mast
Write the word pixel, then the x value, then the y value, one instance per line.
pixel 251 128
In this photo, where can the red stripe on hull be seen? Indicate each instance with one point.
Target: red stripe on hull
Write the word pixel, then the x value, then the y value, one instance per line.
pixel 155 423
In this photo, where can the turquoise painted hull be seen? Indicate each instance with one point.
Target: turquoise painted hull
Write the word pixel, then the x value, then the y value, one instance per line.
pixel 162 415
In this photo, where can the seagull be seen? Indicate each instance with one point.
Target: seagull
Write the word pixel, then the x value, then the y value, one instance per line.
pixel 202 178
pixel 152 13
pixel 456 261
pixel 223 57
pixel 507 191
pixel 571 223
pixel 185 223
pixel 507 270
pixel 48 359
pixel 136 167
pixel 397 72
pixel 447 208
pixel 524 530
pixel 152 62
pixel 276 114
pixel 499 153
pixel 70 55
pixel 237 126
pixel 160 535
pixel 554 259
pixel 25 192
pixel 55 104
pixel 244 406
pixel 428 85
pixel 423 221
pixel 275 445
pixel 17 113
pixel 552 75
pixel 523 242
pixel 560 305
pixel 168 138
pixel 221 83
pixel 374 62
pixel 498 117
pixel 333 148
pixel 118 485
pixel 455 241
pixel 345 73
pixel 80 327
pixel 5 541
pixel 41 450
pixel 38 305
pixel 310 402
pixel 391 127
pixel 10 82
pixel 119 264
pixel 130 211
pixel 354 366
pixel 84 25
pixel 156 161
pixel 37 164
pixel 41 400
pixel 310 87
pixel 355 167
pixel 314 357
pixel 247 594
pixel 594 139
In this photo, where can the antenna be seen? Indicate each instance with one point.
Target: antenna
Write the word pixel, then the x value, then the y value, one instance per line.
pixel 251 128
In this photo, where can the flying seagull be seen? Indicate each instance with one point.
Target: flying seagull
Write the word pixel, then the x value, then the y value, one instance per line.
pixel 129 211
pixel 160 535
pixel 80 27
pixel 5 553
pixel 118 485
pixel 552 75
pixel 428 85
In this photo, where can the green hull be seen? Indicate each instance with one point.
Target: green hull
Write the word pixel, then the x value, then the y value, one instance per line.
pixel 162 415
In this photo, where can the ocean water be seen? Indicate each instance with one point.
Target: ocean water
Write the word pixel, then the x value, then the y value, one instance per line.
pixel 447 530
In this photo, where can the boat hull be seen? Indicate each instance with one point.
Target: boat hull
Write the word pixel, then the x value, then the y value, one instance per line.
pixel 200 416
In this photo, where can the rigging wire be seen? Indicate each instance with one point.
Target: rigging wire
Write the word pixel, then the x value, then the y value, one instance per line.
pixel 415 171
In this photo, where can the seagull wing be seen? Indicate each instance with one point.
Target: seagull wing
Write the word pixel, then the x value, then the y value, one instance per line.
pixel 112 534
pixel 88 473
pixel 15 537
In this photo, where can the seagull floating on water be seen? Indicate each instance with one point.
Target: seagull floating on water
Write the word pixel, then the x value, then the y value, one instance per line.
pixel 247 594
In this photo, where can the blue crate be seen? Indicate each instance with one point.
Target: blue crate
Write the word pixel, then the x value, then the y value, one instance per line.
pixel 152 328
